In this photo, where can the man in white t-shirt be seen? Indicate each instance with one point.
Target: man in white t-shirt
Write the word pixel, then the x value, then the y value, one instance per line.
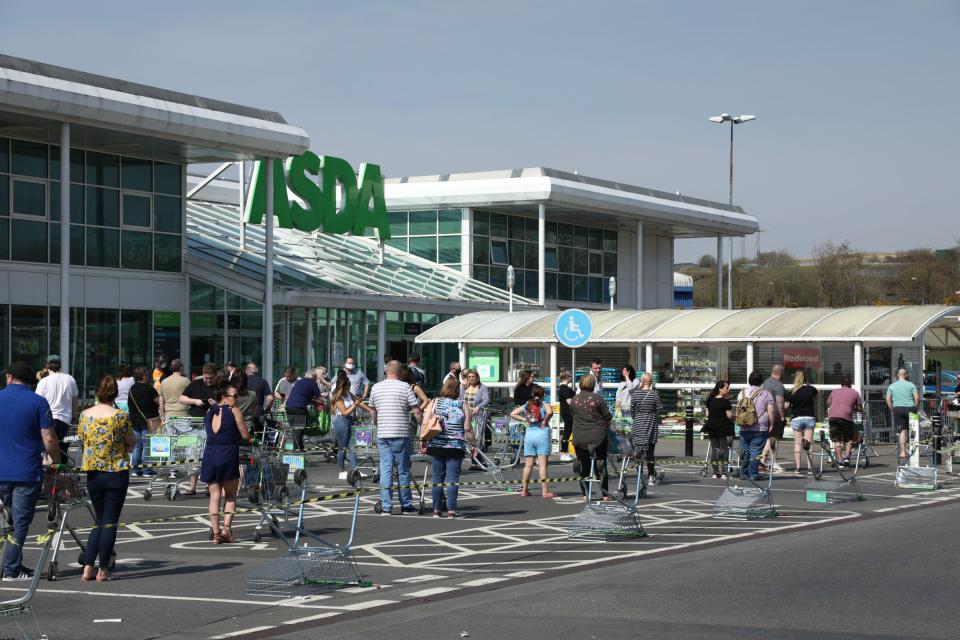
pixel 61 393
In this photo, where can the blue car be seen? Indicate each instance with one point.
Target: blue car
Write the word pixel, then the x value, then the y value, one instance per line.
pixel 948 383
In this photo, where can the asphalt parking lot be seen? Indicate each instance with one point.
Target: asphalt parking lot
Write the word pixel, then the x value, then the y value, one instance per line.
pixel 172 582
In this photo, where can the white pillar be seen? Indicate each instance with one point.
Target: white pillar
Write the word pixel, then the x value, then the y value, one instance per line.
pixel 730 276
pixel 65 247
pixel 242 166
pixel 858 367
pixel 462 353
pixel 648 359
pixel 553 372
pixel 466 242
pixel 310 359
pixel 226 333
pixel 719 272
pixel 185 328
pixel 639 273
pixel 639 357
pixel 381 342
pixel 268 277
pixel 541 252
pixel 674 355
pixel 749 360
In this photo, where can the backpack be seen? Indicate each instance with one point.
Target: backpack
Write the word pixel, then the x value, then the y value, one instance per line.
pixel 746 412
pixel 419 376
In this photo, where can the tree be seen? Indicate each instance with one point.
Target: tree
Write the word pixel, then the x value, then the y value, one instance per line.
pixel 837 270
pixel 707 261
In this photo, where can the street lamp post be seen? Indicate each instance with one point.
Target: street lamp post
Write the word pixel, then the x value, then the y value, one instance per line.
pixel 510 281
pixel 722 118
pixel 613 290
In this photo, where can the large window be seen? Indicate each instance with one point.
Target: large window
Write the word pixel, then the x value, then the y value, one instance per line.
pixel 432 234
pixel 225 326
pixel 582 258
pixel 125 212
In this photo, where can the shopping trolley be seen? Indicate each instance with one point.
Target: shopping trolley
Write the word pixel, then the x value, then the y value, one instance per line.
pixel 363 444
pixel 604 521
pixel 19 606
pixel 65 492
pixel 845 487
pixel 308 568
pixel 175 454
pixel 506 441
pixel 754 501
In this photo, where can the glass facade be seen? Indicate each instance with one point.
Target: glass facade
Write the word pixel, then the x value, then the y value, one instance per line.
pixel 100 339
pixel 433 234
pixel 578 260
pixel 124 212
pixel 223 326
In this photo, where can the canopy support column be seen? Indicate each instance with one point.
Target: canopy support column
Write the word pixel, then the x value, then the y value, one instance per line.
pixel 466 242
pixel 749 360
pixel 381 343
pixel 639 273
pixel 310 359
pixel 858 367
pixel 65 247
pixel 462 353
pixel 268 279
pixel 730 276
pixel 648 359
pixel 553 372
pixel 541 253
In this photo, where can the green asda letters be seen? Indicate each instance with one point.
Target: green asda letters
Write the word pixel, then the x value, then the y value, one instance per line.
pixel 361 206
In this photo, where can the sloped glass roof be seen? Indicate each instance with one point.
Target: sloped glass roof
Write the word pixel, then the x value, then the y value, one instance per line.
pixel 855 324
pixel 327 262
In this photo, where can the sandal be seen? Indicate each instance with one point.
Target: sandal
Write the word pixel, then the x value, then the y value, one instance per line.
pixel 217 538
pixel 103 576
pixel 525 493
pixel 88 577
pixel 548 495
pixel 226 535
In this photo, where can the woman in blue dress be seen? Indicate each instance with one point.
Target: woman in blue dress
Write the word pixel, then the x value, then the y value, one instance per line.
pixel 220 467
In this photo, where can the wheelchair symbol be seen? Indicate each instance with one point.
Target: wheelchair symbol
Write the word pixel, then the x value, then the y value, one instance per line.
pixel 572 332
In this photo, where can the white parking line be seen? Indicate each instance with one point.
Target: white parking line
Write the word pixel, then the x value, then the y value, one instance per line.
pixel 430 592
pixel 423 578
pixel 482 581
pixel 319 616
pixel 242 632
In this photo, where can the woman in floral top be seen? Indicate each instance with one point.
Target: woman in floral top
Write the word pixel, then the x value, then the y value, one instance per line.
pixel 107 436
pixel 449 446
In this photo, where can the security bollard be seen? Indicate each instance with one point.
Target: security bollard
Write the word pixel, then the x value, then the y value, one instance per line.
pixel 936 420
pixel 688 435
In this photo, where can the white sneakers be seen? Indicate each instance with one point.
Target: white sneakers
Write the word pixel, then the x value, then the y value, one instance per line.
pixel 566 457
pixel 342 475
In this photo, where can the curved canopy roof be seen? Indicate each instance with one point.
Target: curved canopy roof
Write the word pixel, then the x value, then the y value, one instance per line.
pixel 853 324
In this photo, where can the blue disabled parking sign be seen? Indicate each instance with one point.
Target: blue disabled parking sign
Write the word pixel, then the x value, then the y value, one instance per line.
pixel 573 328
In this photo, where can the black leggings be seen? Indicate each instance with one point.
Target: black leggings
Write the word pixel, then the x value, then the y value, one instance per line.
pixel 719 447
pixel 565 432
pixel 600 469
pixel 298 433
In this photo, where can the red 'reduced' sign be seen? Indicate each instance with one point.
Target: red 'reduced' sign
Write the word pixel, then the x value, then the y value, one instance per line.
pixel 808 358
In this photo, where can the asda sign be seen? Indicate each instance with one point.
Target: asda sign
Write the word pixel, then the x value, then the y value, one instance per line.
pixel 315 182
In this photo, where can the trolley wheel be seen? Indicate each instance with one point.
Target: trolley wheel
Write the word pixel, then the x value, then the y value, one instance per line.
pixel 254 495
pixel 280 494
pixel 623 493
pixel 210 534
pixel 53 510
pixel 703 472
pixel 299 477
pixel 112 562
pixel 257 536
pixel 378 506
pixel 147 494
pixel 661 476
pixel 81 558
pixel 52 571
pixel 355 478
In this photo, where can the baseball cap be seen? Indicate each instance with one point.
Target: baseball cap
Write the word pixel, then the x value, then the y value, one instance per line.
pixel 53 358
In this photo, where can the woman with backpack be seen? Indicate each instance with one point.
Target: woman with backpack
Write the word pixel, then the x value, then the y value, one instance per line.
pixel 755 417
pixel 536 439
pixel 719 424
pixel 645 407
pixel 801 401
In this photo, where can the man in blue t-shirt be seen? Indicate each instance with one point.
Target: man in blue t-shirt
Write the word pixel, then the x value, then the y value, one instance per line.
pixel 298 401
pixel 26 429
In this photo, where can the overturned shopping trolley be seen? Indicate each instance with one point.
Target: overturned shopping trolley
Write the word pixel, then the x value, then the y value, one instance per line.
pixel 754 501
pixel 308 569
pixel 604 521
pixel 18 609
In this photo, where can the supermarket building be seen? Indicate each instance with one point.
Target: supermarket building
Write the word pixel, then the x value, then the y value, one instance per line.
pixel 158 263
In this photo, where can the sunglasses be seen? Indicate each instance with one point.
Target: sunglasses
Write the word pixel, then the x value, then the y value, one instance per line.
pixel 230 395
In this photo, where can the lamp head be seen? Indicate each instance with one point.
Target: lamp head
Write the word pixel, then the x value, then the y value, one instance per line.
pixel 510 277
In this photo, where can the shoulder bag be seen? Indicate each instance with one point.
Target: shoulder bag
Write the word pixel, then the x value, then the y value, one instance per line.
pixel 153 424
pixel 431 426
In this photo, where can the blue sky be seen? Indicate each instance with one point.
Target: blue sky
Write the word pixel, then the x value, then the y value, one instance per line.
pixel 857 136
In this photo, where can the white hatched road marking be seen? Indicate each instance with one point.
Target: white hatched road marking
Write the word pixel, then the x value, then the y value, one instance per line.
pixel 319 616
pixel 430 592
pixel 482 581
pixel 423 578
pixel 242 632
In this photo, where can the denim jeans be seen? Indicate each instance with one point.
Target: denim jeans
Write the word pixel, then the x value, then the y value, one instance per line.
pixel 446 469
pixel 751 446
pixel 136 458
pixel 108 490
pixel 342 430
pixel 21 499
pixel 395 452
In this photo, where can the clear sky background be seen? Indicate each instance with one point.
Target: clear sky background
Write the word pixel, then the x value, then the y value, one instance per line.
pixel 858 102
